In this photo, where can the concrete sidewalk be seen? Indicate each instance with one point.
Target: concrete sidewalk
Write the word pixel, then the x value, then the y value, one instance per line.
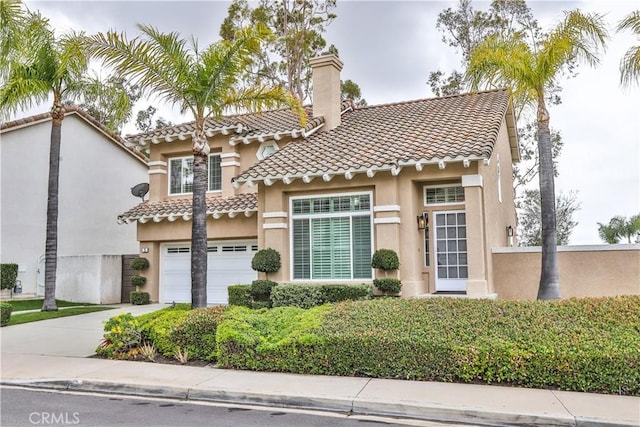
pixel 48 364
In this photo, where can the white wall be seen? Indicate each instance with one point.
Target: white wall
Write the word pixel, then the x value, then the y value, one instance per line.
pixel 90 278
pixel 95 181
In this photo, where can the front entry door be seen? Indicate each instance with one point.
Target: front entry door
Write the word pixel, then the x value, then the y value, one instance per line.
pixel 451 251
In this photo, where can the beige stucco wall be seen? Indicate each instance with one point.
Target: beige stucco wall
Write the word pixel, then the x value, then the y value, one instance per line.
pixel 585 271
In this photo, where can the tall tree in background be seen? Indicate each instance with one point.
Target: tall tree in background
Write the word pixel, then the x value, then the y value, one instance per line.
pixel 145 120
pixel 202 82
pixel 529 223
pixel 619 228
pixel 42 67
pixel 298 27
pixel 630 64
pixel 531 67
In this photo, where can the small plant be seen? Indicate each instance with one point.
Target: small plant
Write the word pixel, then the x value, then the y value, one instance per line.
pixel 122 334
pixel 8 275
pixel 266 261
pixel 385 259
pixel 5 313
pixel 138 280
pixel 148 351
pixel 181 355
pixel 139 298
pixel 139 264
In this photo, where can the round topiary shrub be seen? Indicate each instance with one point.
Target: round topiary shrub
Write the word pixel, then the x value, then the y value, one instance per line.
pixel 139 264
pixel 385 259
pixel 266 261
pixel 138 280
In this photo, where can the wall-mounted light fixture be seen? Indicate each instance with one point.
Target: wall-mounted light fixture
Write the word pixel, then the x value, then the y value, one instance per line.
pixel 423 220
pixel 510 235
pixel 144 250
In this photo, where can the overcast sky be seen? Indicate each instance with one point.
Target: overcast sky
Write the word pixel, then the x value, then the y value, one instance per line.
pixel 389 47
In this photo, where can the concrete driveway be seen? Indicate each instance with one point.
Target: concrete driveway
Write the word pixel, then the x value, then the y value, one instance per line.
pixel 73 336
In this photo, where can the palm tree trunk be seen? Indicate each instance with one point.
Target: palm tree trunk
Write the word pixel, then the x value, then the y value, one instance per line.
pixel 549 279
pixel 51 242
pixel 199 220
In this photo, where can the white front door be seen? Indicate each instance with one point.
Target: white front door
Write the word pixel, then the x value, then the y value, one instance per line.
pixel 228 263
pixel 451 251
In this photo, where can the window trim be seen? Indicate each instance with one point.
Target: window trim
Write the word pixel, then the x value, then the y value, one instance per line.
pixel 171 159
pixel 430 205
pixel 330 215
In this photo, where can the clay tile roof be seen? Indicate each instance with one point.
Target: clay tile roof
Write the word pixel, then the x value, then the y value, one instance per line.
pixel 385 137
pixel 172 209
pixel 74 109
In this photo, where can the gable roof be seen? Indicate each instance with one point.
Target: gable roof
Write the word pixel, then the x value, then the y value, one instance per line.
pixel 245 128
pixel 74 110
pixel 388 137
pixel 172 209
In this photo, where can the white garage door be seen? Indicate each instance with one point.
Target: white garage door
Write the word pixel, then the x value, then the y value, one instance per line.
pixel 228 263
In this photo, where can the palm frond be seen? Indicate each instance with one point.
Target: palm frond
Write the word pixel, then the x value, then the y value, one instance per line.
pixel 630 63
pixel 22 91
pixel 630 22
pixel 137 60
pixel 72 57
pixel 261 98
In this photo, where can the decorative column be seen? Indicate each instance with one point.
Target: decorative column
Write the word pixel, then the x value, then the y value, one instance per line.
pixel 476 239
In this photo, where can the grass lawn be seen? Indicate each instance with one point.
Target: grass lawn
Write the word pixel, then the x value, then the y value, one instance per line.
pixel 36 304
pixel 17 319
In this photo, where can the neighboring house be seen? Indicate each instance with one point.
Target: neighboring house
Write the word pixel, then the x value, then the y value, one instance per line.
pixel 96 174
pixel 328 195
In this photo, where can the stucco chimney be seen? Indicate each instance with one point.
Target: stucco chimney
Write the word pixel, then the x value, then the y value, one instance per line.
pixel 326 89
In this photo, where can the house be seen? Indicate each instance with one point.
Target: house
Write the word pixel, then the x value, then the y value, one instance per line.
pixel 430 178
pixel 97 172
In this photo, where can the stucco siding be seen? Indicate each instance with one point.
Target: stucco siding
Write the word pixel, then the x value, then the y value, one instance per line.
pixel 591 271
pixel 94 188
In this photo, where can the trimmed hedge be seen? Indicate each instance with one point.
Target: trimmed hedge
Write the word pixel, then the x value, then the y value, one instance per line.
pixel 266 261
pixel 197 332
pixel 139 298
pixel 156 327
pixel 588 345
pixel 139 264
pixel 5 313
pixel 261 289
pixel 307 296
pixel 138 280
pixel 8 275
pixel 239 295
pixel 385 259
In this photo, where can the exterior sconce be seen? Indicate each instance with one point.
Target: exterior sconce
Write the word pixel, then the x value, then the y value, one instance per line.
pixel 423 220
pixel 145 250
pixel 510 235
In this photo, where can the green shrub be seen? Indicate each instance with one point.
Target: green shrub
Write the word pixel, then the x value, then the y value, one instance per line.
pixel 138 280
pixel 139 298
pixel 196 333
pixel 266 261
pixel 5 313
pixel 239 295
pixel 302 296
pixel 8 275
pixel 261 289
pixel 337 293
pixel 385 259
pixel 122 334
pixel 388 285
pixel 587 345
pixel 157 328
pixel 139 263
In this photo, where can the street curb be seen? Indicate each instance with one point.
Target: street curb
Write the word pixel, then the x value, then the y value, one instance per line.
pixel 406 410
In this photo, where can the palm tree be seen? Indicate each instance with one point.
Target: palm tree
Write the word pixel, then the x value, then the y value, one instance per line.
pixel 630 64
pixel 201 82
pixel 620 227
pixel 41 68
pixel 531 69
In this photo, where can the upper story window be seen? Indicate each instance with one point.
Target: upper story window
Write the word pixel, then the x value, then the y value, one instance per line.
pixel 444 195
pixel 181 174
